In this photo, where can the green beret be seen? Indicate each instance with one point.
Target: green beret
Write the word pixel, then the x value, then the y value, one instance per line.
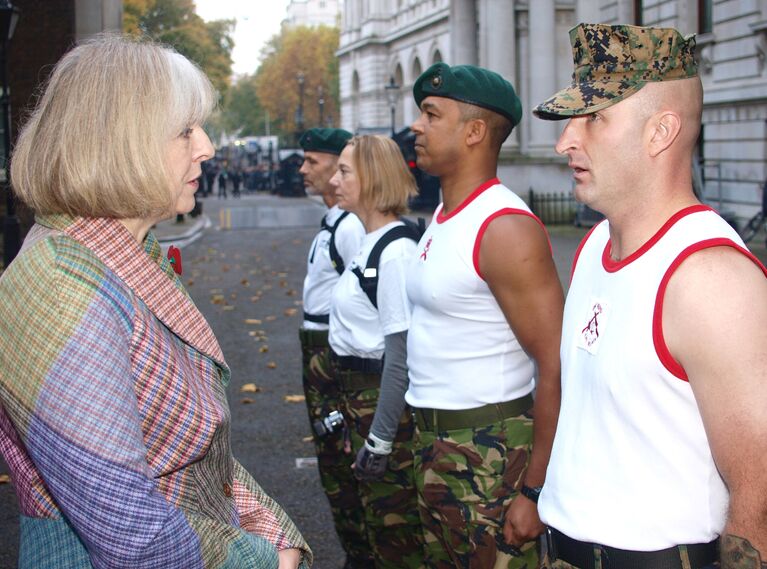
pixel 469 84
pixel 329 140
pixel 614 62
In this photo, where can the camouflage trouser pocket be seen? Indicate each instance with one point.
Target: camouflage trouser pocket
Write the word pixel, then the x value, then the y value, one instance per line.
pixel 465 480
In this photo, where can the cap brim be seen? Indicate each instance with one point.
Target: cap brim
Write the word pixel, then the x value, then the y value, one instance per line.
pixel 585 98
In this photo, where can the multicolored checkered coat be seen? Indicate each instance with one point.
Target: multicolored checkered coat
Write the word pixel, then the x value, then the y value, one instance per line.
pixel 113 413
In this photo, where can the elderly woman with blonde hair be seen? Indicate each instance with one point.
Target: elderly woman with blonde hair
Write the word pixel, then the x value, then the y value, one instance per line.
pixel 113 412
pixel 369 319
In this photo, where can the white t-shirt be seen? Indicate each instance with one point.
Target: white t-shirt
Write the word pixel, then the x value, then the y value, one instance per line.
pixel 321 277
pixel 461 351
pixel 356 327
pixel 631 466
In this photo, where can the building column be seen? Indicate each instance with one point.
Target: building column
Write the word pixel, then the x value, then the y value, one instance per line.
pixel 543 75
pixel 463 32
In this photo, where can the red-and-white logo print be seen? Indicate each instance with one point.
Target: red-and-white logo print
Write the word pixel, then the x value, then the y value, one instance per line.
pixel 593 329
pixel 425 251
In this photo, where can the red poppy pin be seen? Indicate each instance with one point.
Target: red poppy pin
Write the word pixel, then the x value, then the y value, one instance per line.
pixel 174 256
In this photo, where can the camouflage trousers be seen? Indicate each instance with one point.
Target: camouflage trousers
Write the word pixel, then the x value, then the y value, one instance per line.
pixel 391 509
pixel 466 478
pixel 334 457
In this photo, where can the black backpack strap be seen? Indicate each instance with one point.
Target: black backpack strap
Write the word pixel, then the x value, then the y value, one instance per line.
pixel 335 256
pixel 369 277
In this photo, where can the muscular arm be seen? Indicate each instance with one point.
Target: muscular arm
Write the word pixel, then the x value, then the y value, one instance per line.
pixel 515 260
pixel 715 326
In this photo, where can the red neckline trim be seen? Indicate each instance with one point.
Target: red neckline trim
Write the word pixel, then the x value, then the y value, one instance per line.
pixel 442 217
pixel 614 266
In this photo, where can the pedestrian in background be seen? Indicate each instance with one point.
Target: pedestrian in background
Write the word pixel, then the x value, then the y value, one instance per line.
pixel 661 446
pixel 368 337
pixel 113 411
pixel 485 331
pixel 223 178
pixel 332 249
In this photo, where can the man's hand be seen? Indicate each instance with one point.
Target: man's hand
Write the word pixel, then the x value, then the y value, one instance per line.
pixel 370 466
pixel 521 522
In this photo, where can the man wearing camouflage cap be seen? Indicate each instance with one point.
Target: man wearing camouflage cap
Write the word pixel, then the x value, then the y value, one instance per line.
pixel 661 445
pixel 337 242
pixel 485 329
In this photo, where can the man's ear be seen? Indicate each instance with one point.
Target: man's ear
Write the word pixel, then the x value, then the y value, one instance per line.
pixel 664 130
pixel 476 132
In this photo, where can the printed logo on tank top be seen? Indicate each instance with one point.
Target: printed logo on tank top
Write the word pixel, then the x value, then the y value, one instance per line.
pixel 594 324
pixel 425 251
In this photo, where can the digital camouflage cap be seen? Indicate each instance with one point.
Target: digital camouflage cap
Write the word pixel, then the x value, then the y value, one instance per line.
pixel 614 62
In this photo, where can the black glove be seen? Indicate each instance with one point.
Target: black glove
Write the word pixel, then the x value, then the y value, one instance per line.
pixel 369 465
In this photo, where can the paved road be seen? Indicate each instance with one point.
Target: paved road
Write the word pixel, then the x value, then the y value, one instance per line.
pixel 237 277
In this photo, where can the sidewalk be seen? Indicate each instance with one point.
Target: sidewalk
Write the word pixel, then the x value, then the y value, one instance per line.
pixel 170 232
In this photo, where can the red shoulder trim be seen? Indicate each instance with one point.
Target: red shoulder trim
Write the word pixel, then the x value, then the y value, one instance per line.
pixel 664 355
pixel 442 217
pixel 491 217
pixel 613 266
pixel 580 248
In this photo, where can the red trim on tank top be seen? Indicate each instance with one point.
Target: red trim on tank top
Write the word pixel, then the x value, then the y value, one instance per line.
pixel 580 248
pixel 661 349
pixel 442 217
pixel 614 266
pixel 491 217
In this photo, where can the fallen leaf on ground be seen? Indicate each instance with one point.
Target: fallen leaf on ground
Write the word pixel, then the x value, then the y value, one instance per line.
pixel 250 388
pixel 308 439
pixel 228 307
pixel 298 302
pixel 216 291
pixel 283 284
pixel 255 298
pixel 190 282
pixel 291 292
pixel 270 318
pixel 233 295
pixel 290 311
pixel 266 287
pixel 263 349
pixel 246 401
pixel 217 299
pixel 4 479
pixel 271 365
pixel 224 268
pixel 252 321
pixel 294 398
pixel 245 282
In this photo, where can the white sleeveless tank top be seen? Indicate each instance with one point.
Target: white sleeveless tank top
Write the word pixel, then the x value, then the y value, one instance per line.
pixel 631 466
pixel 461 350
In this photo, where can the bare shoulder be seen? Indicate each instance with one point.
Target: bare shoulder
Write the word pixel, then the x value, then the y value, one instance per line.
pixel 514 237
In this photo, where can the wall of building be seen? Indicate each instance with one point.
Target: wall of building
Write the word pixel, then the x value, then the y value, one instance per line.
pixel 313 12
pixel 527 42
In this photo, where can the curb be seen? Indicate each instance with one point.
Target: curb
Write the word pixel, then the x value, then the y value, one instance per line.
pixel 201 223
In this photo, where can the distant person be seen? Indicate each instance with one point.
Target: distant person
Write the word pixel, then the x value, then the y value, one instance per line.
pixel 660 455
pixel 223 178
pixel 114 418
pixel 368 337
pixel 331 251
pixel 236 177
pixel 487 311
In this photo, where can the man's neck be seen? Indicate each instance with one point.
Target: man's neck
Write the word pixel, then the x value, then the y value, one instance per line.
pixel 457 187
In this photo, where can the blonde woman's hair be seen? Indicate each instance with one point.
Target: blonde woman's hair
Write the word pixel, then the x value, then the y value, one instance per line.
pixel 386 182
pixel 96 143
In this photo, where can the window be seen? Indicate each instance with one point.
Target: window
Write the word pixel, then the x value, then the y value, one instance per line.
pixel 705 16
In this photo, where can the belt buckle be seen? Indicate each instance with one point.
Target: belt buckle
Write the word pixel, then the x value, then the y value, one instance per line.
pixel 549 545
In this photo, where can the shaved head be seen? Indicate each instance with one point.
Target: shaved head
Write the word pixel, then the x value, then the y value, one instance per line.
pixel 682 96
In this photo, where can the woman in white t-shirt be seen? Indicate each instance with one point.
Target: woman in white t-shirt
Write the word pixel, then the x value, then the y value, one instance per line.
pixel 369 347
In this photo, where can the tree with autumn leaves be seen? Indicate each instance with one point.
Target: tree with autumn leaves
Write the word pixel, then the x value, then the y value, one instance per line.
pixel 176 23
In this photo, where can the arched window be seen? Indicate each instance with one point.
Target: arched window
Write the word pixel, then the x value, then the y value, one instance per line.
pixel 437 58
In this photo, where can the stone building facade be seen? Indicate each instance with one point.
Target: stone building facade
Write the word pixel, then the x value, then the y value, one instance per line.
pixel 313 13
pixel 527 42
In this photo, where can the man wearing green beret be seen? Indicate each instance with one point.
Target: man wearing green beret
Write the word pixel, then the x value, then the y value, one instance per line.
pixel 661 445
pixel 337 242
pixel 487 308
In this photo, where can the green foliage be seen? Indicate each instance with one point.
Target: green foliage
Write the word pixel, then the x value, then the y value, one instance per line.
pixel 175 22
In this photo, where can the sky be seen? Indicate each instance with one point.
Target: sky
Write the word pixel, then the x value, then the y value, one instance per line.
pixel 257 22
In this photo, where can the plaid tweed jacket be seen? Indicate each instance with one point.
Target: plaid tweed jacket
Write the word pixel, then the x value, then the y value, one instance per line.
pixel 113 413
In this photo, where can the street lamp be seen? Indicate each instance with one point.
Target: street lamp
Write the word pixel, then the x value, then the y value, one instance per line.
pixel 9 16
pixel 392 94
pixel 321 102
pixel 300 110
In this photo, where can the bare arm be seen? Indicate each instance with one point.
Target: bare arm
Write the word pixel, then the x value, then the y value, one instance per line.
pixel 715 326
pixel 515 261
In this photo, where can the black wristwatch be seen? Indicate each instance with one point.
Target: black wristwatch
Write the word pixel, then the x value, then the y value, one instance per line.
pixel 531 493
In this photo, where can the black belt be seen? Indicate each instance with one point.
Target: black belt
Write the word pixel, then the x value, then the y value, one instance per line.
pixel 317 318
pixel 355 364
pixel 452 419
pixel 582 554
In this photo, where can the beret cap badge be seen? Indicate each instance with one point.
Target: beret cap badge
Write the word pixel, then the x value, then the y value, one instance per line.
pixel 436 81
